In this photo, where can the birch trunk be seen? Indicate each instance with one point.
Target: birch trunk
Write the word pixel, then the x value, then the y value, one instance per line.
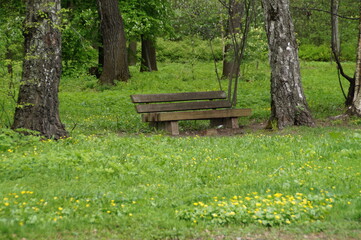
pixel 38 103
pixel 288 102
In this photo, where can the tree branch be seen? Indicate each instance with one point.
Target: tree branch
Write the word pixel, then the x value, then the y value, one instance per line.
pixel 350 79
pixel 325 11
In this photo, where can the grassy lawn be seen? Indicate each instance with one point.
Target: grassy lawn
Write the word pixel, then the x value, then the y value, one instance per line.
pixel 116 178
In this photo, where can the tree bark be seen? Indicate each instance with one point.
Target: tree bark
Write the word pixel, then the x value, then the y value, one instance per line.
pixel 230 65
pixel 114 43
pixel 335 39
pixel 132 53
pixel 288 102
pixel 38 104
pixel 355 108
pixel 149 59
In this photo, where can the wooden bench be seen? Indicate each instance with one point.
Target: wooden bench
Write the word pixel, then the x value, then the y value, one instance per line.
pixel 163 111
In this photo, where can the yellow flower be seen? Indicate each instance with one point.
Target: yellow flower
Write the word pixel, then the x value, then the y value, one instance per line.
pixel 278 195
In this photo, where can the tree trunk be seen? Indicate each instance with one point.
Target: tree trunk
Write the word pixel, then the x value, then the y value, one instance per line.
pixel 114 43
pixel 335 39
pixel 336 49
pixel 132 53
pixel 355 108
pixel 38 103
pixel 235 12
pixel 149 59
pixel 9 56
pixel 288 102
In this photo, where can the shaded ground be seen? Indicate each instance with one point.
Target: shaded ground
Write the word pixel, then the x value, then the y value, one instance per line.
pixel 336 121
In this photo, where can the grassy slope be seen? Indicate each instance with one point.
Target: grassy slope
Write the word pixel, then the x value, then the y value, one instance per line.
pixel 112 181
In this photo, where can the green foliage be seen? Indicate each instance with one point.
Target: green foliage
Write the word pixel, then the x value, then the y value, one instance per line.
pixel 11 38
pixel 188 50
pixel 11 141
pixel 198 18
pixel 9 87
pixel 270 210
pixel 257 46
pixel 149 18
pixel 313 28
pixel 80 39
pixel 311 52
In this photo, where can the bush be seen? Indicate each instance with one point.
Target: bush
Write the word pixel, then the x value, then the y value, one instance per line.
pixel 188 50
pixel 310 52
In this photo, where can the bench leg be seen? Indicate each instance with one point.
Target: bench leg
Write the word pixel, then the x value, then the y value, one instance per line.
pixel 226 122
pixel 171 127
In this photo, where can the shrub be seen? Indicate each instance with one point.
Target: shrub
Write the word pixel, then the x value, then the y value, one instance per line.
pixel 310 52
pixel 187 50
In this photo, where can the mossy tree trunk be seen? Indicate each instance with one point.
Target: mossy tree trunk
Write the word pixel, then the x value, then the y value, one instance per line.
pixel 115 63
pixel 288 101
pixel 38 103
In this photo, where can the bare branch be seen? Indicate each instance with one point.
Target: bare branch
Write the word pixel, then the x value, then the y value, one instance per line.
pixel 325 11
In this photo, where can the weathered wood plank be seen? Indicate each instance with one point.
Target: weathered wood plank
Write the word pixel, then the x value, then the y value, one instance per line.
pixel 173 97
pixel 196 115
pixel 182 106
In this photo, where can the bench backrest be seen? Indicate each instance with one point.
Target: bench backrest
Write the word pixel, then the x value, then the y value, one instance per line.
pixel 168 102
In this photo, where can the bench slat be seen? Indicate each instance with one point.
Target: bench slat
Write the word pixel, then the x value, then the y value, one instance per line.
pixel 197 115
pixel 173 97
pixel 182 106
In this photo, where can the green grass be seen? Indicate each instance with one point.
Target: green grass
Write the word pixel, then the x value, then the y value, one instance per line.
pixel 116 178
